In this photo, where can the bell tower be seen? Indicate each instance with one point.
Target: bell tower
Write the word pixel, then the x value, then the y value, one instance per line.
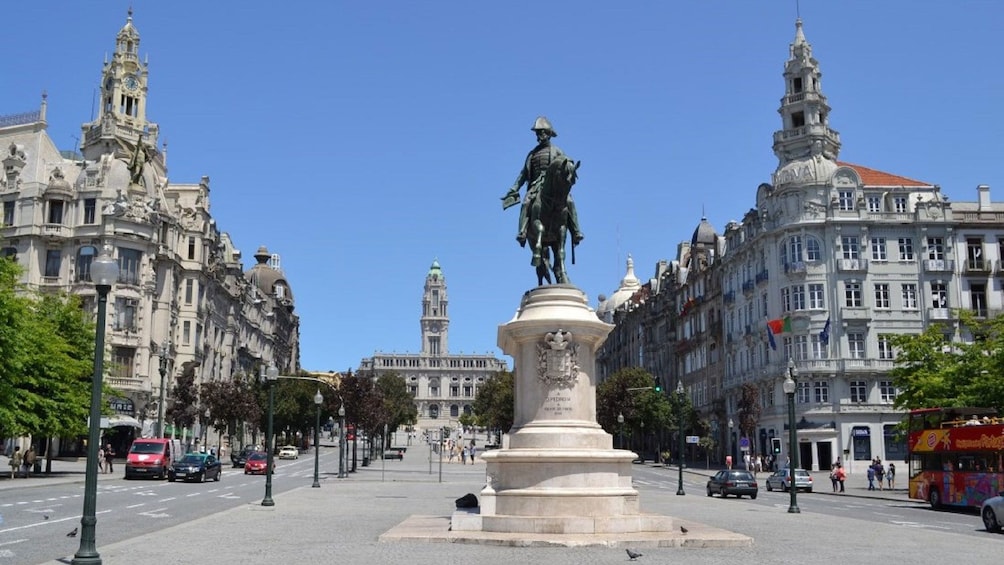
pixel 804 112
pixel 121 121
pixel 435 321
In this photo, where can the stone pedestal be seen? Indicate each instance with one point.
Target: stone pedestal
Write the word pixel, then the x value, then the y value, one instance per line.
pixel 558 472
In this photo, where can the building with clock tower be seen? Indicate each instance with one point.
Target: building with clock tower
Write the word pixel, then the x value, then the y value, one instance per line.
pixel 443 384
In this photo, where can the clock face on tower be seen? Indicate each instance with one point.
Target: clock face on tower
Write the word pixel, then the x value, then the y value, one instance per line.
pixel 130 82
pixel 434 327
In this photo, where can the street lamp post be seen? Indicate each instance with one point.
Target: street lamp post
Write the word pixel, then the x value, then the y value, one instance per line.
pixel 318 399
pixel 165 350
pixel 341 441
pixel 620 428
pixel 104 272
pixel 732 425
pixel 789 387
pixel 679 403
pixel 270 377
pixel 205 430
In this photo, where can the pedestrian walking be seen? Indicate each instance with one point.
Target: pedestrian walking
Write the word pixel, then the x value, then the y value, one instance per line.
pixel 109 455
pixel 890 475
pixel 871 477
pixel 15 462
pixel 473 450
pixel 29 461
pixel 841 476
pixel 463 455
pixel 833 479
pixel 879 474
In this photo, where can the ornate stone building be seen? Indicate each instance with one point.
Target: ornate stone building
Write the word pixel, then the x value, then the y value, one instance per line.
pixel 182 296
pixel 444 385
pixel 843 257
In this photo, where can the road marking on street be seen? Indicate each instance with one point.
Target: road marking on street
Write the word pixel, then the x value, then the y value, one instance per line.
pixel 170 498
pixel 47 522
pixel 146 493
pixel 193 494
pixel 41 510
pixel 917 525
pixel 136 505
pixel 158 513
pixel 230 496
pixel 12 542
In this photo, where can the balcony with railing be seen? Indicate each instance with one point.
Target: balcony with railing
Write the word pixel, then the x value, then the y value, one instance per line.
pixel 795 269
pixel 729 297
pixel 977 267
pixel 852 265
pixel 761 277
pixel 939 265
pixel 55 231
pixel 940 314
pixel 748 287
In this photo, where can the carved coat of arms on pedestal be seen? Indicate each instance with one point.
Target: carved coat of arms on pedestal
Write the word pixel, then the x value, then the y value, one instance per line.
pixel 558 359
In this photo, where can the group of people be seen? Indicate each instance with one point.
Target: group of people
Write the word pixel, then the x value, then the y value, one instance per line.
pixel 463 452
pixel 22 463
pixel 105 457
pixel 838 476
pixel 877 473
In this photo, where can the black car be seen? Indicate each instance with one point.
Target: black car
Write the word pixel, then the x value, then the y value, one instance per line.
pixel 733 481
pixel 239 458
pixel 197 467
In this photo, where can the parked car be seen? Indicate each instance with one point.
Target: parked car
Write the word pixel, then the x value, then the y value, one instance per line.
pixel 992 512
pixel 239 458
pixel 733 481
pixel 196 466
pixel 289 452
pixel 779 479
pixel 257 463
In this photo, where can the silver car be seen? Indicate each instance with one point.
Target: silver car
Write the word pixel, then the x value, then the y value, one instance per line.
pixel 779 479
pixel 992 512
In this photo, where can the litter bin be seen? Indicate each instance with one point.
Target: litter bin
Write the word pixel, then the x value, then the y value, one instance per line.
pixel 37 467
pixel 366 460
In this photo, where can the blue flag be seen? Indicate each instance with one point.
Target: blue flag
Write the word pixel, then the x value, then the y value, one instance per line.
pixel 824 336
pixel 770 338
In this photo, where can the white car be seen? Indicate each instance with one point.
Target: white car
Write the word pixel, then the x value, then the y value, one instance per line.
pixel 289 452
pixel 992 512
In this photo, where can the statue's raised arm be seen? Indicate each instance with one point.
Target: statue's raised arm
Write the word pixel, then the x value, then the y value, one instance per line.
pixel 547 212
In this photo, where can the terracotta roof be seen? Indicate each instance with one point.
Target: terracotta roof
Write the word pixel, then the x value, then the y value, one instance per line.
pixel 871 177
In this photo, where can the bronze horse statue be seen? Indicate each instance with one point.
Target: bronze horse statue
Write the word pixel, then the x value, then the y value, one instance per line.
pixel 549 218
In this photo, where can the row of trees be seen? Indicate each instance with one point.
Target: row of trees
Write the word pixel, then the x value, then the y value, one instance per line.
pixel 46 360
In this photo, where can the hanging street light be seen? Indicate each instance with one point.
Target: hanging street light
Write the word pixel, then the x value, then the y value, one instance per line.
pixel 318 399
pixel 789 387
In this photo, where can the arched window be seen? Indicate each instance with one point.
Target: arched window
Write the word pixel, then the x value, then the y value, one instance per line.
pixel 434 411
pixel 454 410
pixel 85 255
pixel 467 409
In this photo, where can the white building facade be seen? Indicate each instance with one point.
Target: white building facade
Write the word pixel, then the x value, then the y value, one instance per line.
pixel 443 384
pixel 182 296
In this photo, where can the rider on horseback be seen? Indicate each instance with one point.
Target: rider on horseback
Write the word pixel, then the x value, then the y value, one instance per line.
pixel 533 175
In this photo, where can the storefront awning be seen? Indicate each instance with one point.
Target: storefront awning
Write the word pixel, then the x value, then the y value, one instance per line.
pixel 116 420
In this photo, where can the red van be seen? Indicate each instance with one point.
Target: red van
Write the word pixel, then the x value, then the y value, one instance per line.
pixel 151 457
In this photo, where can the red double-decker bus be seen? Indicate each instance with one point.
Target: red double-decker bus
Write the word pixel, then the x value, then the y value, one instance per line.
pixel 955 455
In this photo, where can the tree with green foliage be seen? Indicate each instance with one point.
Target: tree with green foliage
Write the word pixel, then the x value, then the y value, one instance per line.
pixel 398 404
pixel 748 412
pixel 643 408
pixel 931 371
pixel 185 398
pixel 231 403
pixel 495 404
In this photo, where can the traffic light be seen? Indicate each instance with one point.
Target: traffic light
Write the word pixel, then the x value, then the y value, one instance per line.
pixel 658 387
pixel 775 443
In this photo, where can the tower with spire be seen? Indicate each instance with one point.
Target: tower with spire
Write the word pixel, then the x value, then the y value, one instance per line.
pixel 434 321
pixel 806 131
pixel 121 125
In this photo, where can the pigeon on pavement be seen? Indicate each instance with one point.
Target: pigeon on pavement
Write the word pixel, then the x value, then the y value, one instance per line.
pixel 632 554
pixel 72 534
pixel 45 516
pixel 683 530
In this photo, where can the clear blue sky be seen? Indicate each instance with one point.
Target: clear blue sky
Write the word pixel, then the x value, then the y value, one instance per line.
pixel 362 140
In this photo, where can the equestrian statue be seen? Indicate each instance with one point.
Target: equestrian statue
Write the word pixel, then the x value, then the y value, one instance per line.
pixel 547 213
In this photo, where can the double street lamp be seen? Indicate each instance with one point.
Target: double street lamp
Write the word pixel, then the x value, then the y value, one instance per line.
pixel 789 387
pixel 269 377
pixel 104 272
pixel 679 412
pixel 732 426
pixel 318 399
